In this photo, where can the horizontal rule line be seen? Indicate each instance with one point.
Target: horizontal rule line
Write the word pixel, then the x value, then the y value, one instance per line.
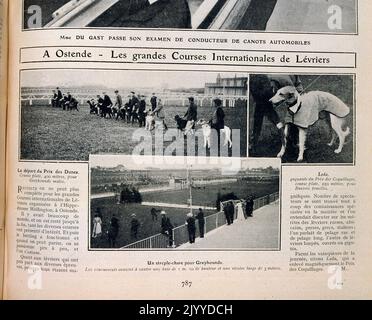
pixel 190 64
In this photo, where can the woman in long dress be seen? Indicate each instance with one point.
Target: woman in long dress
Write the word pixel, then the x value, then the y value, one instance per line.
pixel 97 226
pixel 240 212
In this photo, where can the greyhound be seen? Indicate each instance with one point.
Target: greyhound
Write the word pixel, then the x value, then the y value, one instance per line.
pixel 303 111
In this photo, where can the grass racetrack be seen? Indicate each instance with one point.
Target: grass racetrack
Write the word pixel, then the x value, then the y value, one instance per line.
pixel 205 197
pixel 53 134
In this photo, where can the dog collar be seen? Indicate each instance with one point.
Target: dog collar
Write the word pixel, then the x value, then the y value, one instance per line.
pixel 296 107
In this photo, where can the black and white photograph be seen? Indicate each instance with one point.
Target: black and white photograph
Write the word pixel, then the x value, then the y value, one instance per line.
pixel 302 118
pixel 321 16
pixel 195 204
pixel 69 114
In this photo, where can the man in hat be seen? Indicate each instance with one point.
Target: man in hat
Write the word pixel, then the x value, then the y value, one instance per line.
pixel 134 104
pixel 218 120
pixel 107 105
pixel 249 204
pixel 191 228
pixel 134 226
pixel 226 211
pixel 166 227
pixel 191 115
pixel 142 112
pixel 153 101
pixel 59 98
pixel 201 222
pixel 119 105
pixel 99 105
pixel 146 14
pixel 113 231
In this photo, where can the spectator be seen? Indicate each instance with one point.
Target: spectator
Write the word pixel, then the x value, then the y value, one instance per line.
pixel 167 228
pixel 232 212
pixel 59 98
pixel 113 231
pixel 118 105
pixel 191 228
pixel 142 112
pixel 153 101
pixel 218 121
pixel 97 226
pixel 226 211
pixel 249 206
pixel 201 222
pixel 191 115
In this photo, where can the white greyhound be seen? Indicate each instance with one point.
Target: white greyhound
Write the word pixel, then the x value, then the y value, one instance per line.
pixel 303 111
pixel 150 120
pixel 207 131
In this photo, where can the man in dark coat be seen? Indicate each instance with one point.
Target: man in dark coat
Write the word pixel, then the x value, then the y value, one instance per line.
pixel 59 98
pixel 191 228
pixel 218 120
pixel 249 204
pixel 119 106
pixel 134 106
pixel 100 105
pixel 201 222
pixel 113 231
pixel 263 87
pixel 167 228
pixel 191 115
pixel 154 102
pixel 231 212
pixel 146 14
pixel 66 100
pixel 227 212
pixel 142 112
pixel 107 104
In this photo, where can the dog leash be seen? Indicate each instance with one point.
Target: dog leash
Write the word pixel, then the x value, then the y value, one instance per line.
pixel 311 83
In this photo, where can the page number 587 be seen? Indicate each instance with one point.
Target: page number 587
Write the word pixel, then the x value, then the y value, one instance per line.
pixel 186 284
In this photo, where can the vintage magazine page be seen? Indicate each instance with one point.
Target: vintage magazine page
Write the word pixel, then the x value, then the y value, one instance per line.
pixel 188 149
pixel 3 104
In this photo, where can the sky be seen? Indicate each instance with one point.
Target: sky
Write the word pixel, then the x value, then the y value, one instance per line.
pixel 136 163
pixel 118 78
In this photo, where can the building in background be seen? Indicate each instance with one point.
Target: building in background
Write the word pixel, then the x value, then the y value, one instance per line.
pixel 230 90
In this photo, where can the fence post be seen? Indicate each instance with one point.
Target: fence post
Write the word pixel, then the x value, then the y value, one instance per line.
pixel 150 243
pixel 174 239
